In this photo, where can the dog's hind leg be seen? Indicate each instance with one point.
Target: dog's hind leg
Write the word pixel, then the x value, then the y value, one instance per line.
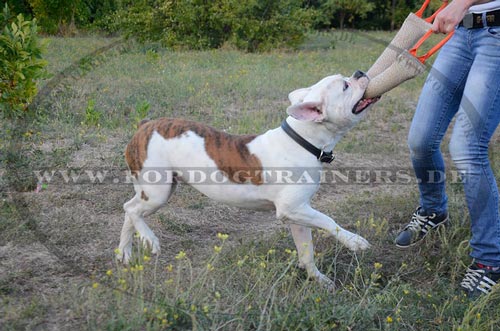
pixel 147 200
pixel 125 247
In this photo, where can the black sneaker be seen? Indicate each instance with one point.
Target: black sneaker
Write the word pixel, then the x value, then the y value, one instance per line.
pixel 479 279
pixel 419 227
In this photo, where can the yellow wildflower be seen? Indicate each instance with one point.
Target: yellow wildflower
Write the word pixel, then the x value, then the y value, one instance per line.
pixel 222 236
pixel 181 255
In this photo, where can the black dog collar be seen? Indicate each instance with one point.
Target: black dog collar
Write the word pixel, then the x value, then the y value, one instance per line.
pixel 320 154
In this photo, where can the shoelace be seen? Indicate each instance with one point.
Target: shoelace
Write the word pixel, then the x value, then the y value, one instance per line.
pixel 417 222
pixel 471 278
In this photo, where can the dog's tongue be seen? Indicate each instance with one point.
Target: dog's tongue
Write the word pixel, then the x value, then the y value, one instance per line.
pixel 363 104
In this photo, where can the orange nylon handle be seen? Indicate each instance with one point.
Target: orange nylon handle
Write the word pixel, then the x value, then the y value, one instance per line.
pixel 433 50
pixel 420 12
pixel 433 16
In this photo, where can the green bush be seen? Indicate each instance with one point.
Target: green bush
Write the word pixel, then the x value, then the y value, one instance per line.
pixel 20 63
pixel 58 16
pixel 261 25
pixel 193 24
pixel 253 25
pixel 20 7
pixel 63 17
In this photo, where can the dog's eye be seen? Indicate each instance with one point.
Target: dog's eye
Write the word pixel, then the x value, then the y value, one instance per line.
pixel 346 85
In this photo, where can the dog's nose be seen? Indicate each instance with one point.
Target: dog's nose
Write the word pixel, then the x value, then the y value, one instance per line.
pixel 358 74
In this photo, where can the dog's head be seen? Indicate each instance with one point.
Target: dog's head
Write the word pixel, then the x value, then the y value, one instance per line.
pixel 335 99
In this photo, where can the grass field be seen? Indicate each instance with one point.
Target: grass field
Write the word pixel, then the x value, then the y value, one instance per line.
pixel 57 270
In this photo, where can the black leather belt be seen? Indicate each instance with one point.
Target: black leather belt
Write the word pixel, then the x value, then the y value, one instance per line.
pixel 476 21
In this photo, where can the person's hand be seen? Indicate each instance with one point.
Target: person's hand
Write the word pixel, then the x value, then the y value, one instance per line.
pixel 450 16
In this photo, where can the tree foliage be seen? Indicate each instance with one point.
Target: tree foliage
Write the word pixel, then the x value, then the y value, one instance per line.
pixel 253 25
pixel 264 24
pixel 348 9
pixel 61 16
pixel 19 7
pixel 57 16
pixel 20 63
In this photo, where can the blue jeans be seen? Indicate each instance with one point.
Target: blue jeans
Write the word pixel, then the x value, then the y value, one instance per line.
pixel 464 83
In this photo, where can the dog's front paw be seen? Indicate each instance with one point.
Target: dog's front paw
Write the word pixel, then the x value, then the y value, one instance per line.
pixel 123 255
pixel 152 242
pixel 314 274
pixel 326 282
pixel 355 242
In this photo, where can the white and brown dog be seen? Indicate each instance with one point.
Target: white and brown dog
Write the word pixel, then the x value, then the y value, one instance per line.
pixel 319 116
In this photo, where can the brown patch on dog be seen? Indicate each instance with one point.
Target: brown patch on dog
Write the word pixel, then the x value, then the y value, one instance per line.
pixel 229 152
pixel 144 196
pixel 136 151
pixel 142 122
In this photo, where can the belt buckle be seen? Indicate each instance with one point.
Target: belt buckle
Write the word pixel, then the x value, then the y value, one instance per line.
pixel 468 21
pixel 326 157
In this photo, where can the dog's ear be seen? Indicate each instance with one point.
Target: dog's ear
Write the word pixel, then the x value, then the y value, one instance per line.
pixel 307 111
pixel 298 96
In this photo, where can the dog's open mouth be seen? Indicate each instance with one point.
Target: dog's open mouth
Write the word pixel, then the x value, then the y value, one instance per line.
pixel 362 104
